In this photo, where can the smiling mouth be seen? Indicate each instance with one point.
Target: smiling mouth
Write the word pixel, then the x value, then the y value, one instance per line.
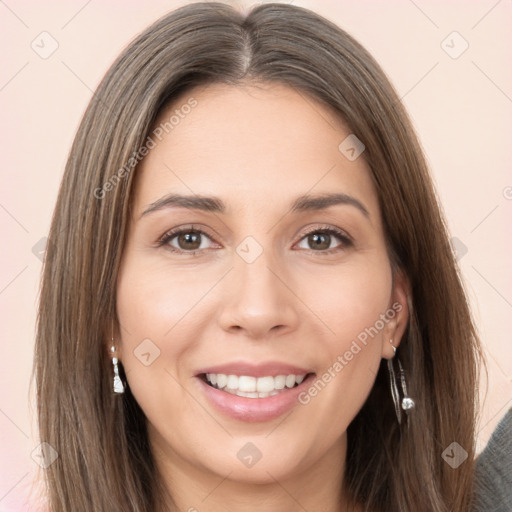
pixel 248 386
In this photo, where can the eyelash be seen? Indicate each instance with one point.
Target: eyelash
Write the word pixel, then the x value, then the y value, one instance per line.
pixel 345 239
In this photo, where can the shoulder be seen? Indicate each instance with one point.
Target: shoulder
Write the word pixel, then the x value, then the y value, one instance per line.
pixel 493 475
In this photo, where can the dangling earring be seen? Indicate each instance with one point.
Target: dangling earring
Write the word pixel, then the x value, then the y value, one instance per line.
pixel 407 402
pixel 118 384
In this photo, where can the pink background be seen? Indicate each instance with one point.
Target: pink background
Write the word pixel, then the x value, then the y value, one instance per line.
pixel 461 108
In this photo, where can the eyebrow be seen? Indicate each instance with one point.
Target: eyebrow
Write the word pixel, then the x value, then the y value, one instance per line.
pixel 216 205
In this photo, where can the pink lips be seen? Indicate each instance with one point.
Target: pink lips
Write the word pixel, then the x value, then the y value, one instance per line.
pixel 254 409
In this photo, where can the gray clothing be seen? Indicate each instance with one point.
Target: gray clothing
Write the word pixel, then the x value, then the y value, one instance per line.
pixel 493 479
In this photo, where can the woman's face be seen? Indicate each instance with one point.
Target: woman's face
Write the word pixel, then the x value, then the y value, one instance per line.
pixel 261 289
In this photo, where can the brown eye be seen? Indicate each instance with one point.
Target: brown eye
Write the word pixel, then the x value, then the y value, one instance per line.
pixel 189 240
pixel 320 241
pixel 185 240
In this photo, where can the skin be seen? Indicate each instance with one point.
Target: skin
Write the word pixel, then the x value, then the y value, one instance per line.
pixel 256 148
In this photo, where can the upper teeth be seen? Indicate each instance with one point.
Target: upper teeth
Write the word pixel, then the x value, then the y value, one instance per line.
pixel 248 384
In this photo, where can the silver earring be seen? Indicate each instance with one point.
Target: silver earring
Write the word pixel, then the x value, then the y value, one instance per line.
pixel 407 402
pixel 118 384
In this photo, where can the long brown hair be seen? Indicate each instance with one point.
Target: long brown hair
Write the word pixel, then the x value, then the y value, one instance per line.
pixel 105 462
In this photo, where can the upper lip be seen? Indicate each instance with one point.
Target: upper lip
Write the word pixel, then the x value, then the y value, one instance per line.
pixel 267 368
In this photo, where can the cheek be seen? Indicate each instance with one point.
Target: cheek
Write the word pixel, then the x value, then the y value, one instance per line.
pixel 351 309
pixel 151 304
pixel 155 299
pixel 157 294
pixel 349 299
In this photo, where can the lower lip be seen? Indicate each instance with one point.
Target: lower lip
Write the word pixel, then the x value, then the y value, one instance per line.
pixel 254 409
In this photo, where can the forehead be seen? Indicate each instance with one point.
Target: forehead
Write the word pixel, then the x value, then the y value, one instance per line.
pixel 253 145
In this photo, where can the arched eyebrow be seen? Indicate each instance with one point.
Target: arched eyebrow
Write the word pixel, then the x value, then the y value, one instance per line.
pixel 323 201
pixel 216 205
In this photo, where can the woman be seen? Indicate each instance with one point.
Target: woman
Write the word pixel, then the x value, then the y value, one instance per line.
pixel 249 299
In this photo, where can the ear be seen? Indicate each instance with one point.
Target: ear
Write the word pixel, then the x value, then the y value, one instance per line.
pixel 397 314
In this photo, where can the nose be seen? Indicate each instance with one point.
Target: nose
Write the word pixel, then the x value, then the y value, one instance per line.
pixel 259 299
